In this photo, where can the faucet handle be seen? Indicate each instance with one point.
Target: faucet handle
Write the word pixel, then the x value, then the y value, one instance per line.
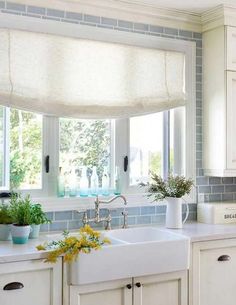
pixel 125 219
pixel 85 218
pixel 108 221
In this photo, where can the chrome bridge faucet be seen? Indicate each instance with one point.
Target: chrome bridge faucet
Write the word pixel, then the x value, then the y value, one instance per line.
pixel 98 219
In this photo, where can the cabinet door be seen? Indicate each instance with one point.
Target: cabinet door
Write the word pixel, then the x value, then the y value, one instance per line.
pixel 231 48
pixel 165 289
pixel 213 279
pixel 231 121
pixel 108 293
pixel 38 283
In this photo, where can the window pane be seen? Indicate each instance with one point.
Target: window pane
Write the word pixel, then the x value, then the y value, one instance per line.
pixel 146 142
pixel 25 150
pixel 84 143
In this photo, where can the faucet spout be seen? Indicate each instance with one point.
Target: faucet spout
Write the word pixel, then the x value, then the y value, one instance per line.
pixel 113 199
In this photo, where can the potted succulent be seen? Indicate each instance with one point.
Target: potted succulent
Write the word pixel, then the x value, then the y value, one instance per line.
pixel 172 189
pixel 20 211
pixel 5 222
pixel 38 217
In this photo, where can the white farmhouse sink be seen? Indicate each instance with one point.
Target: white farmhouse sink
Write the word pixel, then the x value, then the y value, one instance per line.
pixel 142 235
pixel 133 252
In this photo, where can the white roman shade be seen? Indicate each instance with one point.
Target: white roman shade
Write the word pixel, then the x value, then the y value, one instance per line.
pixel 73 77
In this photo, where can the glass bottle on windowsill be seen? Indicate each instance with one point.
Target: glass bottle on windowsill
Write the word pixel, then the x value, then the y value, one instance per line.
pixel 84 183
pixel 117 190
pixel 60 184
pixel 105 182
pixel 73 183
pixel 94 182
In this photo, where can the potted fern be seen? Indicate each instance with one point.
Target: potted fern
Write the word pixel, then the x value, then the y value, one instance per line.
pixel 172 190
pixel 38 217
pixel 20 212
pixel 5 222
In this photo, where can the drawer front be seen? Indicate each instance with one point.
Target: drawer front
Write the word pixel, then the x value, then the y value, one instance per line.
pixel 33 288
pixel 231 48
pixel 31 282
pixel 212 273
pixel 218 277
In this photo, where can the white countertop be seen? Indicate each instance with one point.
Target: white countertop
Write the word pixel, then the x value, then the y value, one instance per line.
pixel 194 231
pixel 10 252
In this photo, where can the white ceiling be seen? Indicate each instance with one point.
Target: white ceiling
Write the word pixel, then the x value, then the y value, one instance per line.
pixel 195 6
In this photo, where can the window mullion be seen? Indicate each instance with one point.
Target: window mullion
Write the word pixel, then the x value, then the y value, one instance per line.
pixel 51 149
pixel 166 144
pixel 122 150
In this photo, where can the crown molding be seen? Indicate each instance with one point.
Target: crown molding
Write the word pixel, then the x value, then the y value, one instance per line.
pixel 219 16
pixel 126 10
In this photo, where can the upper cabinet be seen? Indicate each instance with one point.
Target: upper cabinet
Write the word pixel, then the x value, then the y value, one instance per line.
pixel 231 48
pixel 219 101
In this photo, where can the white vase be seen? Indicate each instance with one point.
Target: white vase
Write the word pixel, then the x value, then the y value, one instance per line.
pixel 174 213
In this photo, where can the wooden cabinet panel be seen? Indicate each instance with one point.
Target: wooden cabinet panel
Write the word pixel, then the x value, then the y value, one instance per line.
pixel 108 293
pixel 212 276
pixel 164 289
pixel 231 48
pixel 231 121
pixel 41 283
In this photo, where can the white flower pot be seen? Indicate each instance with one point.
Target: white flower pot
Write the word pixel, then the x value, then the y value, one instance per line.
pixel 20 234
pixel 5 232
pixel 174 213
pixel 34 231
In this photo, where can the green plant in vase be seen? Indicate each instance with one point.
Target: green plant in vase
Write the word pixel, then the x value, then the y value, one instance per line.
pixel 172 189
pixel 38 217
pixel 20 212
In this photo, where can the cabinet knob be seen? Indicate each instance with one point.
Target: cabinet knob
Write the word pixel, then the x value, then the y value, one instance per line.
pixel 224 258
pixel 138 285
pixel 129 286
pixel 13 286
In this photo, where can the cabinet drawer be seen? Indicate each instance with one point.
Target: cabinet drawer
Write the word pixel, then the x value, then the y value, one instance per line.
pixel 231 48
pixel 212 275
pixel 30 282
pixel 217 276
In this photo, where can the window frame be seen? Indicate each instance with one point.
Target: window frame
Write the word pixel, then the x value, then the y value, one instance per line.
pixel 120 132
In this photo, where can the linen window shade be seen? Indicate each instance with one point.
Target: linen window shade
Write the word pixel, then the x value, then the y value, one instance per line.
pixel 71 77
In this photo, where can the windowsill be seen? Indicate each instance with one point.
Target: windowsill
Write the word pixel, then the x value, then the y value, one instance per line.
pixel 52 204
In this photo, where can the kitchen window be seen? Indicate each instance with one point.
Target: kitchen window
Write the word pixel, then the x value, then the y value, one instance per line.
pixel 155 143
pixel 159 135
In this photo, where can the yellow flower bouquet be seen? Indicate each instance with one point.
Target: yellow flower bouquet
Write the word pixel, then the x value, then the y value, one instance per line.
pixel 71 246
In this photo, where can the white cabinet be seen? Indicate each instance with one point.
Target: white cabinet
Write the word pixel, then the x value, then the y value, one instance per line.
pixel 231 48
pixel 164 289
pixel 212 275
pixel 107 293
pixel 219 101
pixel 31 283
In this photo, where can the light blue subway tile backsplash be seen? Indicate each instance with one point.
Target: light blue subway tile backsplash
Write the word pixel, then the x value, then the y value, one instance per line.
pixel 73 16
pixel 15 7
pixel 65 215
pixel 125 24
pixel 141 27
pixel 109 21
pixel 36 10
pixel 90 18
pixel 58 226
pixel 55 13
pixel 209 188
